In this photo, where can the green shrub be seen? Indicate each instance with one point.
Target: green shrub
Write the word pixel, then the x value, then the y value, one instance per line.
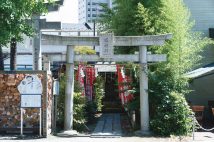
pixel 79 106
pixel 171 116
pixel 79 112
pixel 99 92
pixel 61 103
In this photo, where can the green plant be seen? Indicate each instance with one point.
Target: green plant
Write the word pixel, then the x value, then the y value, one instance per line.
pixel 61 102
pixel 15 21
pixel 79 106
pixel 84 50
pixel 79 112
pixel 99 93
pixel 172 115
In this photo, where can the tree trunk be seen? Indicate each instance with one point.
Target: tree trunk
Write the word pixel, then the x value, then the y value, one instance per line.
pixel 1 59
pixel 13 51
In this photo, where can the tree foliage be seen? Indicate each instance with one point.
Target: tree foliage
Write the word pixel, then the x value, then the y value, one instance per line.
pixel 16 20
pixel 16 16
pixel 99 92
pixel 172 118
pixel 142 17
pixel 84 50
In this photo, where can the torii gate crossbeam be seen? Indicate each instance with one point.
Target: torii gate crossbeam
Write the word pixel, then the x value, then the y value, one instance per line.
pixel 142 58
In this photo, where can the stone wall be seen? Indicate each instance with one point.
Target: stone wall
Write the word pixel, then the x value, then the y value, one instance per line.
pixel 10 102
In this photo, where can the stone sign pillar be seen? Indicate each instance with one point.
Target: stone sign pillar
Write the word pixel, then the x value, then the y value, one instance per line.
pixel 37 53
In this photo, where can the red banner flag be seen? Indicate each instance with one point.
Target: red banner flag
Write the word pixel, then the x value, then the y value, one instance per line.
pixel 90 77
pixel 124 85
pixel 80 78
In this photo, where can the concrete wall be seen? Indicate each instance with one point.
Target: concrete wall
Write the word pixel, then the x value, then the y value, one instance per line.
pixel 203 90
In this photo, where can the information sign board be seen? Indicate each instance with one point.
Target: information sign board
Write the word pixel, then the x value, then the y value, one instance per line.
pixel 31 101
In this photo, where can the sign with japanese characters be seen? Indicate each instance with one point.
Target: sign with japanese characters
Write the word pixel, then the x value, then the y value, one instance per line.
pixel 31 84
pixel 31 101
pixel 106 46
pixel 30 89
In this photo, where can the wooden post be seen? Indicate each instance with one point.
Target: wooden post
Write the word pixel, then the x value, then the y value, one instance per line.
pixel 68 124
pixel 144 101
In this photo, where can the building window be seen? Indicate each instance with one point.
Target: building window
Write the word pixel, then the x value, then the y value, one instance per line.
pixel 89 15
pixel 94 15
pixel 101 10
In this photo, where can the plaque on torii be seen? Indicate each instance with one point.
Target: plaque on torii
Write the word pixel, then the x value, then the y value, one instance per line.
pixel 106 43
pixel 106 46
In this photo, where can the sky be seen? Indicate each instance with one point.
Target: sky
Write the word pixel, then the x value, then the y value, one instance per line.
pixel 68 13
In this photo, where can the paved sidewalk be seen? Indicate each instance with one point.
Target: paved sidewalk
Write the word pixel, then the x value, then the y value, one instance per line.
pixel 204 136
pixel 199 137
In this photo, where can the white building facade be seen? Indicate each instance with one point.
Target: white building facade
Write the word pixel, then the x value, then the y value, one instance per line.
pixel 89 10
pixel 202 12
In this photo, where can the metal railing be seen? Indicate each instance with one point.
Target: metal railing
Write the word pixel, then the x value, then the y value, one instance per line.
pixel 18 67
pixel 195 124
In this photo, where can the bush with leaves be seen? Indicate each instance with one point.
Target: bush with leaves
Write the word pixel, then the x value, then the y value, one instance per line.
pixel 172 115
pixel 94 106
pixel 79 112
pixel 79 106
pixel 99 92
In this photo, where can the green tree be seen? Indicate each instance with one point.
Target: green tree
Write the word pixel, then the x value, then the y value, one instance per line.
pixel 15 21
pixel 84 50
pixel 142 17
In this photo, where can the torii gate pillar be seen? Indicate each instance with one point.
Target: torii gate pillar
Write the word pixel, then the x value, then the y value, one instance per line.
pixel 69 92
pixel 144 100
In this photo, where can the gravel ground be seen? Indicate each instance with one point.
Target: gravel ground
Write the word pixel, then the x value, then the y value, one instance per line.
pixel 199 137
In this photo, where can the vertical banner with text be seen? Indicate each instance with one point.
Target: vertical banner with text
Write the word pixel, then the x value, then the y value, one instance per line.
pixel 80 78
pixel 90 77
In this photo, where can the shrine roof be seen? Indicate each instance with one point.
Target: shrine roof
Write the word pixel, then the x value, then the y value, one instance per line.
pixel 200 72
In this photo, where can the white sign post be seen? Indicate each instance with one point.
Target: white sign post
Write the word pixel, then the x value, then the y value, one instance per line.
pixel 30 89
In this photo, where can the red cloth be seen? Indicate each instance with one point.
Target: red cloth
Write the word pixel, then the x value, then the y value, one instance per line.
pixel 80 78
pixel 90 77
pixel 124 86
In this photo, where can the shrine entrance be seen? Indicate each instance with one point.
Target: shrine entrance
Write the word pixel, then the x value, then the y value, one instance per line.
pixel 107 43
pixel 111 101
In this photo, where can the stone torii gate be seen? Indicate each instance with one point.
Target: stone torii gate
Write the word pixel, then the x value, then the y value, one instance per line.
pixel 106 43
